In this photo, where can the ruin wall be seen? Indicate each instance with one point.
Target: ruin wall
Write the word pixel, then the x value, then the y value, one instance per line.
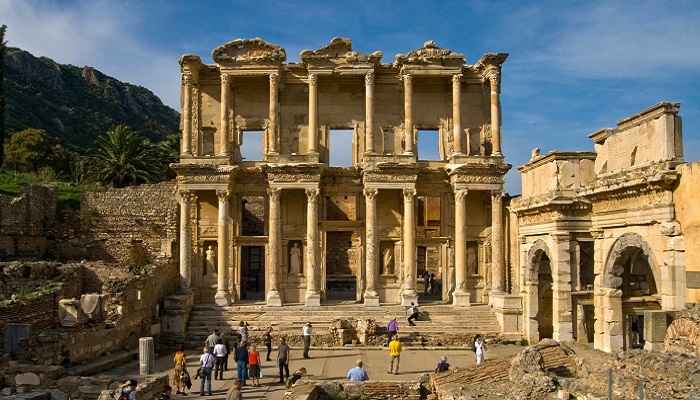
pixel 688 215
pixel 27 222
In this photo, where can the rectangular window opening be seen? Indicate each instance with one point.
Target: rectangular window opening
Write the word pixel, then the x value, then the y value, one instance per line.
pixel 429 145
pixel 340 147
pixel 252 145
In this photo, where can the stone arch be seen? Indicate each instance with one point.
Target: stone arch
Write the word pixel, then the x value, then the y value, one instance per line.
pixel 683 336
pixel 540 294
pixel 534 255
pixel 612 272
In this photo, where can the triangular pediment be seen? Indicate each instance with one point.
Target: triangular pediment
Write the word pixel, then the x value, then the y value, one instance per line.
pixel 249 52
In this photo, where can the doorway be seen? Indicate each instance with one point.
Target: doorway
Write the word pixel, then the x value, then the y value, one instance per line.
pixel 253 273
pixel 545 297
pixel 341 282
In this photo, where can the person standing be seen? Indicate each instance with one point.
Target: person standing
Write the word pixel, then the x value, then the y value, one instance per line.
pixel 392 329
pixel 221 354
pixel 426 276
pixel 357 373
pixel 283 360
pixel 254 365
pixel 211 340
pixel 206 363
pixel 412 314
pixel 442 365
pixel 307 333
pixel 480 350
pixel 395 354
pixel 242 362
pixel 243 331
pixel 268 342
pixel 180 370
pixel 128 390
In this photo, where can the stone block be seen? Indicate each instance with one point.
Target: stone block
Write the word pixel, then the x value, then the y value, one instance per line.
pixel 13 337
pixel 28 378
pixel 70 313
pixel 92 305
pixel 58 395
pixel 461 299
pixel 371 301
pixel 313 300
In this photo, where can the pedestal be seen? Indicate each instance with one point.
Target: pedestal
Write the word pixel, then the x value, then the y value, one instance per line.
pixel 508 309
pixel 147 356
pixel 222 299
pixel 313 300
pixel 274 299
pixel 408 297
pixel 371 301
pixel 461 299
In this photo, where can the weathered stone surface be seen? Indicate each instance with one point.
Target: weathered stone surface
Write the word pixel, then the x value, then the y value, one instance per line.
pixel 28 378
pixel 70 313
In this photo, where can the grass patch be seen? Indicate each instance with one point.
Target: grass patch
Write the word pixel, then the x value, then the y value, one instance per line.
pixel 67 193
pixel 28 294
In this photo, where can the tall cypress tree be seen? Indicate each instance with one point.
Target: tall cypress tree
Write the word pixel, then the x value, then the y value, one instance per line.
pixel 2 93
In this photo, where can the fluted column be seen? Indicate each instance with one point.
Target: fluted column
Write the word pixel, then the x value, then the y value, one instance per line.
pixel 272 127
pixel 313 114
pixel 497 260
pixel 495 83
pixel 409 295
pixel 222 296
pixel 408 113
pixel 186 199
pixel 313 297
pixel 369 112
pixel 371 296
pixel 457 113
pixel 186 145
pixel 460 296
pixel 225 107
pixel 273 242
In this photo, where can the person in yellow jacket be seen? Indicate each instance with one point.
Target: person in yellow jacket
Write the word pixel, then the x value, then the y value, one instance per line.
pixel 395 353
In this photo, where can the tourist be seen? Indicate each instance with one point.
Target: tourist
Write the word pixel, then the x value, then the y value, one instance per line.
pixel 235 392
pixel 268 342
pixel 426 281
pixel 392 329
pixel 395 354
pixel 254 365
pixel 479 349
pixel 431 283
pixel 298 374
pixel 412 314
pixel 180 374
pixel 211 340
pixel 357 373
pixel 283 359
pixel 243 331
pixel 227 344
pixel 127 391
pixel 221 355
pixel 442 365
pixel 206 365
pixel 166 393
pixel 242 362
pixel 307 332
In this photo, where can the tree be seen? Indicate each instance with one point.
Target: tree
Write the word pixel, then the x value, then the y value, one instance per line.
pixel 29 150
pixel 125 158
pixel 3 47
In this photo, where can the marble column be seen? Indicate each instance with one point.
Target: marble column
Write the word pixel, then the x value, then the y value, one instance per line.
pixel 147 356
pixel 274 243
pixel 186 146
pixel 222 297
pixel 494 79
pixel 409 295
pixel 408 113
pixel 371 261
pixel 186 199
pixel 461 297
pixel 457 113
pixel 369 113
pixel 313 296
pixel 225 109
pixel 313 114
pixel 497 260
pixel 273 112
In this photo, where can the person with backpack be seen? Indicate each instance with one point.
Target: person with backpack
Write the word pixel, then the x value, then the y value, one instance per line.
pixel 242 362
pixel 128 390
pixel 412 314
pixel 180 376
pixel 268 342
pixel 206 365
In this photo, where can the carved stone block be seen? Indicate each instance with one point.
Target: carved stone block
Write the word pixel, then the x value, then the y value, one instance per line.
pixel 70 313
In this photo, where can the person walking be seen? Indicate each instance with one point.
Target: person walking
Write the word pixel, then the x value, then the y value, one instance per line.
pixel 395 354
pixel 480 350
pixel 307 332
pixel 357 373
pixel 211 340
pixel 180 371
pixel 242 362
pixel 267 339
pixel 392 329
pixel 442 365
pixel 412 314
pixel 426 281
pixel 254 365
pixel 283 359
pixel 221 355
pixel 127 391
pixel 206 363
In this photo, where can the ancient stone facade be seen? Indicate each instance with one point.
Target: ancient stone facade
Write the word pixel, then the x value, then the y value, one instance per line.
pixel 290 227
pixel 602 235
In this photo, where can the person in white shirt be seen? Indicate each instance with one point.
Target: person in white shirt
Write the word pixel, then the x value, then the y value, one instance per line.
pixel 221 353
pixel 412 314
pixel 307 332
pixel 206 363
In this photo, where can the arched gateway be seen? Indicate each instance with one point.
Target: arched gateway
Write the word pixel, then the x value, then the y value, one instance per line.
pixel 540 293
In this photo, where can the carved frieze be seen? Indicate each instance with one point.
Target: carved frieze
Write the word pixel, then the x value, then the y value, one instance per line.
pixel 249 52
pixel 338 52
pixel 631 200
pixel 430 53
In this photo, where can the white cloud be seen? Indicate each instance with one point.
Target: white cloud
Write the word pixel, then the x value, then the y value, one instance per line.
pixel 95 33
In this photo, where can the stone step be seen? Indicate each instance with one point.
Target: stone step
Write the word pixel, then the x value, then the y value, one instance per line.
pixel 103 363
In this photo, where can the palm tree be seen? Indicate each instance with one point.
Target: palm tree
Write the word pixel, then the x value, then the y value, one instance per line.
pixel 125 158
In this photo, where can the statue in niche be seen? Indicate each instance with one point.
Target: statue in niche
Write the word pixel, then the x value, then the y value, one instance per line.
pixel 388 261
pixel 295 259
pixel 210 262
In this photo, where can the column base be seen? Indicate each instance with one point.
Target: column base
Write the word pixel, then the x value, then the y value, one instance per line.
pixel 371 299
pixel 312 300
pixel 222 299
pixel 409 296
pixel 274 299
pixel 461 299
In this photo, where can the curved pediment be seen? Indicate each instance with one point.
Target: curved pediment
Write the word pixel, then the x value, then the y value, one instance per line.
pixel 430 54
pixel 338 52
pixel 249 52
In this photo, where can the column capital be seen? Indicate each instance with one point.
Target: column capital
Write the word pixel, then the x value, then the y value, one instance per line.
pixel 274 77
pixel 274 193
pixel 226 79
pixel 223 194
pixel 312 194
pixel 369 78
pixel 187 78
pixel 187 195
pixel 312 79
pixel 597 233
pixel 409 193
pixel 461 194
pixel 493 75
pixel 457 79
pixel 370 193
pixel 497 193
pixel 407 78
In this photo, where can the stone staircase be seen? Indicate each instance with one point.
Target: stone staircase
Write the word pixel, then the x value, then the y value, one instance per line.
pixel 440 325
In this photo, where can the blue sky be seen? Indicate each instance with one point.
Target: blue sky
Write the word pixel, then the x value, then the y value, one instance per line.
pixel 574 66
